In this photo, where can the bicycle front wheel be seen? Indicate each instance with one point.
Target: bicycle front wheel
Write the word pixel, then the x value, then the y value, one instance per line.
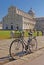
pixel 33 45
pixel 15 49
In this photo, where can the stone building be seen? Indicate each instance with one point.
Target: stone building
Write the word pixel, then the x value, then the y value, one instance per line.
pixel 0 25
pixel 39 23
pixel 17 18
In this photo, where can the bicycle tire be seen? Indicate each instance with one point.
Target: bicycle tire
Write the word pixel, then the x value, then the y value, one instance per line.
pixel 33 45
pixel 16 47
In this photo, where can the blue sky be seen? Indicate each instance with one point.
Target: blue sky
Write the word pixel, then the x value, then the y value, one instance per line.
pixel 25 5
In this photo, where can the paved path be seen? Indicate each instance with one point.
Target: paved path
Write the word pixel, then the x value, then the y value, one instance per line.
pixel 36 58
pixel 5 44
pixel 4 47
pixel 37 61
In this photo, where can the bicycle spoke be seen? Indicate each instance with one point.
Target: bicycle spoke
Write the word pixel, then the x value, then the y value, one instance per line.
pixel 33 45
pixel 15 49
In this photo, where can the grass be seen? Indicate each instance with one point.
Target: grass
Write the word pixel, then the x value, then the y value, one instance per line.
pixel 5 34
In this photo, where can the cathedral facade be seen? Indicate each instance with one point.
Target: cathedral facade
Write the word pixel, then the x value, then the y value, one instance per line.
pixel 17 18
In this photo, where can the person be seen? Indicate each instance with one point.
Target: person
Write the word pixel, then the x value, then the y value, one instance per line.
pixel 30 35
pixel 17 28
pixel 12 34
pixel 30 32
pixel 22 34
pixel 42 32
pixel 37 33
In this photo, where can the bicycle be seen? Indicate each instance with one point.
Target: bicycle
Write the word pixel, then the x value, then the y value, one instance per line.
pixel 19 45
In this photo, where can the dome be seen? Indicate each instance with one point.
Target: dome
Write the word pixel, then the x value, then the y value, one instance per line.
pixel 31 12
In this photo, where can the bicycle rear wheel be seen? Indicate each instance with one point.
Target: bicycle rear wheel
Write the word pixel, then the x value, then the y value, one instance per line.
pixel 33 45
pixel 16 49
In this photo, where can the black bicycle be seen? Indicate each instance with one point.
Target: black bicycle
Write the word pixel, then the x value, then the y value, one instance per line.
pixel 19 46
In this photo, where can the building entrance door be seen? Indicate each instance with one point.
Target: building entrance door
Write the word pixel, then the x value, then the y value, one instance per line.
pixel 11 27
pixel 6 28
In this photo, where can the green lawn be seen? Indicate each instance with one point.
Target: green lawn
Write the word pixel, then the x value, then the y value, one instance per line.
pixel 4 34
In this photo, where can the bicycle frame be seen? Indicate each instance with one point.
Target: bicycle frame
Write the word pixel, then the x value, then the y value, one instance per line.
pixel 26 43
